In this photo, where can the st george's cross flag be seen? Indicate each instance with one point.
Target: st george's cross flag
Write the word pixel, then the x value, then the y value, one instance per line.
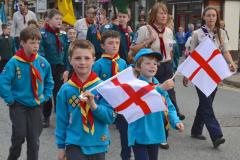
pixel 205 67
pixel 131 97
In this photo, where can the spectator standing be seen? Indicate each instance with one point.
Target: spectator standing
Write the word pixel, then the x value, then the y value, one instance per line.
pixel 180 39
pixel 7 47
pixel 82 25
pixel 20 19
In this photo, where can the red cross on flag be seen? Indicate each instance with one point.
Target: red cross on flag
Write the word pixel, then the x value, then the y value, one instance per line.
pixel 205 67
pixel 131 97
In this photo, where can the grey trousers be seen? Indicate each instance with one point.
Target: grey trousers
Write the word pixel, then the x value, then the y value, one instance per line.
pixel 26 124
pixel 74 152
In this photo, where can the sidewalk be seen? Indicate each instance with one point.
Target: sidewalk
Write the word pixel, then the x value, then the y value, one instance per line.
pixel 234 80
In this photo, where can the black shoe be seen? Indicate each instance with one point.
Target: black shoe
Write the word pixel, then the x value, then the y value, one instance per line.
pixel 181 116
pixel 218 142
pixel 164 145
pixel 46 122
pixel 199 137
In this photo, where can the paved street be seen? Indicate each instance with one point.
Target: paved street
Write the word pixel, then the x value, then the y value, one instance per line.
pixel 182 147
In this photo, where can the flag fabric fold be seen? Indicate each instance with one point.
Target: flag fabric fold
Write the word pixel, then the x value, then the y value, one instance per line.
pixel 205 67
pixel 131 97
pixel 66 8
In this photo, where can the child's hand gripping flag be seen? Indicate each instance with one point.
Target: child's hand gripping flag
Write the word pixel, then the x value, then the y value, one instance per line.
pixel 205 67
pixel 129 96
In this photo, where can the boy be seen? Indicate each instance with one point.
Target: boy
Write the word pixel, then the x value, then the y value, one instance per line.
pixel 26 83
pixel 82 126
pixel 7 48
pixel 148 132
pixel 107 66
pixel 53 46
pixel 124 30
pixel 110 62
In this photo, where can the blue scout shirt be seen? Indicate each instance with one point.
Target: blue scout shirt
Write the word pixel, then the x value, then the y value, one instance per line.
pixel 48 48
pixel 16 82
pixel 69 127
pixel 102 67
pixel 150 128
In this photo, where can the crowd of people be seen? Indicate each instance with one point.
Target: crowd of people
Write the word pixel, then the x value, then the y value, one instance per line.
pixel 57 64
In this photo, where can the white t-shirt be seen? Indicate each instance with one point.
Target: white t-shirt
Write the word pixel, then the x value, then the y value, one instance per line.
pixel 18 21
pixel 81 27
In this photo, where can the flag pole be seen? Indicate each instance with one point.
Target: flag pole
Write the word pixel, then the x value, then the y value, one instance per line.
pixel 102 83
pixel 175 74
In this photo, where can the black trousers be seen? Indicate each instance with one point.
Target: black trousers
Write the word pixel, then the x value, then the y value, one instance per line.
pixel 74 152
pixel 122 127
pixel 165 72
pixel 145 152
pixel 205 116
pixel 57 72
pixel 26 124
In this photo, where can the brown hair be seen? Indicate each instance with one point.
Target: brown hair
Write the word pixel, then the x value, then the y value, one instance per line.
pixel 83 44
pixel 33 22
pixel 110 34
pixel 154 10
pixel 217 24
pixel 52 12
pixel 30 33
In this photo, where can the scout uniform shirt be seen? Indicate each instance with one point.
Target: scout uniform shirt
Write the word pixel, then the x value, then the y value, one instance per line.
pixel 143 34
pixel 78 125
pixel 150 128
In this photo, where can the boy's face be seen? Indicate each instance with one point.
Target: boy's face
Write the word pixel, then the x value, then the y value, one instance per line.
pixel 111 45
pixel 31 46
pixel 148 67
pixel 123 19
pixel 72 34
pixel 55 21
pixel 7 30
pixel 82 61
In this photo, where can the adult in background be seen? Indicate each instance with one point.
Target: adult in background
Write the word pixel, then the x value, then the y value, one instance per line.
pixel 158 37
pixel 7 47
pixel 82 25
pixel 205 113
pixel 180 39
pixel 189 32
pixel 20 20
pixel 222 26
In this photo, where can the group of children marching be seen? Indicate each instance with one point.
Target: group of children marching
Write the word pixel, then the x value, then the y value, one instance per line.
pixel 46 59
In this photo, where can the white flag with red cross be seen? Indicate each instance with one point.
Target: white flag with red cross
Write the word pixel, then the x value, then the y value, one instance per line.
pixel 131 97
pixel 205 67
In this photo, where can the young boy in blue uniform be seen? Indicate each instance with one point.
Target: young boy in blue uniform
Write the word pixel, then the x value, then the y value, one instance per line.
pixel 145 134
pixel 82 125
pixel 107 66
pixel 26 83
pixel 53 47
pixel 110 62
